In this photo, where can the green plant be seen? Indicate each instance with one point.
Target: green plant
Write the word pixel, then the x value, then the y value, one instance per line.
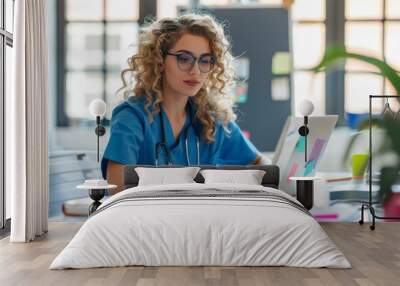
pixel 390 173
pixel 389 124
pixel 335 53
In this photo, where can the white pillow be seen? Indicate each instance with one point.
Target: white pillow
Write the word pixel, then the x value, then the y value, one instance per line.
pixel 163 176
pixel 249 177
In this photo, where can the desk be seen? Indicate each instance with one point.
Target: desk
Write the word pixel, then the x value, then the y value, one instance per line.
pixel 341 200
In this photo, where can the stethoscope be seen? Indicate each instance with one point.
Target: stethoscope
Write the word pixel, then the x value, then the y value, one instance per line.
pixel 163 143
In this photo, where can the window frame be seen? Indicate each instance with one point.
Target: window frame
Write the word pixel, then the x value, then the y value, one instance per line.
pixel 335 23
pixel 62 119
pixel 6 39
pixel 299 70
pixel 383 22
pixel 334 79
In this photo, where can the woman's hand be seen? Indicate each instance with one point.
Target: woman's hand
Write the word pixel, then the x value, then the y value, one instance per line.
pixel 261 160
pixel 257 160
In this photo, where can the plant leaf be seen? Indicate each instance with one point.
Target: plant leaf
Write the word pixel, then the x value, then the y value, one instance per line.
pixel 335 53
pixel 388 178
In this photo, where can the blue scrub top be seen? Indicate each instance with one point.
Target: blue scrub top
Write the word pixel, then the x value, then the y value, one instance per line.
pixel 133 139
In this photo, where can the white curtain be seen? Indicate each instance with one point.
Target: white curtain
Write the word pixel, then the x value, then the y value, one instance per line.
pixel 26 117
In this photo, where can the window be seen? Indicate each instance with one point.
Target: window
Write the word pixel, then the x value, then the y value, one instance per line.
pixel 6 44
pixel 372 27
pixel 98 36
pixel 308 18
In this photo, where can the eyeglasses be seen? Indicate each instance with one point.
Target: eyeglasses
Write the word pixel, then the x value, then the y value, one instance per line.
pixel 186 61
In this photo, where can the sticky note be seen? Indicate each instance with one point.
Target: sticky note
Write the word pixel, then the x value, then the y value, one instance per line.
pixel 309 167
pixel 292 171
pixel 300 145
pixel 316 149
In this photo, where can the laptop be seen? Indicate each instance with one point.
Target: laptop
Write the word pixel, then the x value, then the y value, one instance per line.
pixel 290 148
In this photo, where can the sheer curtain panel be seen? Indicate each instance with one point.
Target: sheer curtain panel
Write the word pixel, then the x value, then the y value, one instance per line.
pixel 26 117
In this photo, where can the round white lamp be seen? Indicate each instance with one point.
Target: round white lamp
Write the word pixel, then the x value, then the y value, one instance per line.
pixel 306 107
pixel 97 108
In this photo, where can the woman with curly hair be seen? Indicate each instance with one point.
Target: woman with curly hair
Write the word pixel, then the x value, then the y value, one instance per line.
pixel 178 111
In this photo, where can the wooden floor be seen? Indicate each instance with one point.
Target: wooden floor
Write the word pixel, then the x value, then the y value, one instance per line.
pixel 374 255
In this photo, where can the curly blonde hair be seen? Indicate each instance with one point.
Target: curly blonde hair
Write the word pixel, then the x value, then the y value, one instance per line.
pixel 157 37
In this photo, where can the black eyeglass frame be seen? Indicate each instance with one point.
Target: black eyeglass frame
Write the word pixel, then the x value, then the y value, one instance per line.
pixel 194 60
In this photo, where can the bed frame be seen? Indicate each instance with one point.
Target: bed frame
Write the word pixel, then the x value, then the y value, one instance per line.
pixel 270 179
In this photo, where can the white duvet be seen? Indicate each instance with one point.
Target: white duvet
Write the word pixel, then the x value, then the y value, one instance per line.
pixel 185 231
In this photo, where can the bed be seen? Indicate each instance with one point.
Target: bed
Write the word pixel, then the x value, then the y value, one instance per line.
pixel 201 224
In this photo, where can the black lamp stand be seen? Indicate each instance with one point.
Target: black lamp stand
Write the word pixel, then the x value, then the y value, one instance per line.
pixel 100 131
pixel 305 187
pixel 97 194
pixel 303 131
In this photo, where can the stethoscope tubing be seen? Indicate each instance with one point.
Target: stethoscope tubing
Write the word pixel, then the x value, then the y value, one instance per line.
pixel 163 144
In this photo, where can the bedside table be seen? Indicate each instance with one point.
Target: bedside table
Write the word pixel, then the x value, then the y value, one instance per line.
pixel 305 190
pixel 97 190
